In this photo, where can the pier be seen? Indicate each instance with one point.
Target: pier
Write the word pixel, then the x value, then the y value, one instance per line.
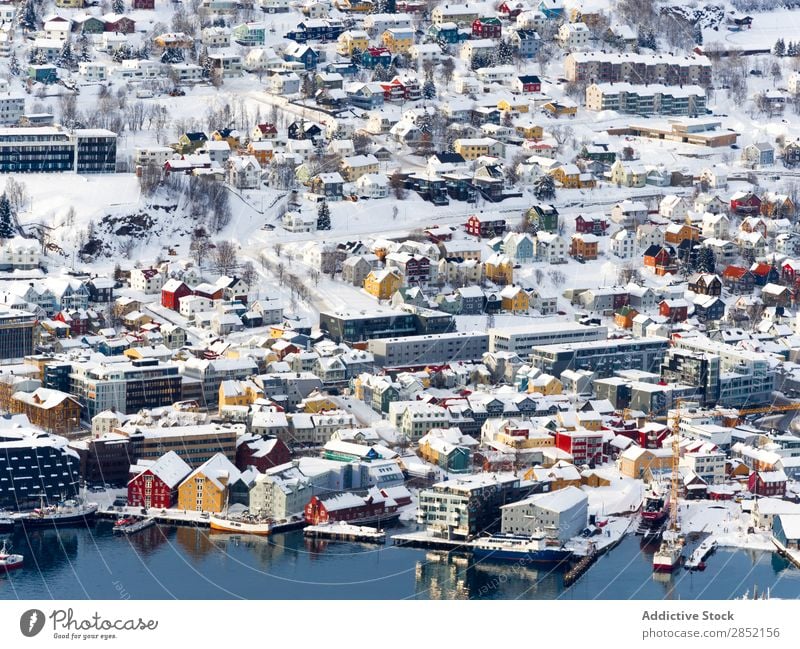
pixel 135 526
pixel 345 532
pixel 425 541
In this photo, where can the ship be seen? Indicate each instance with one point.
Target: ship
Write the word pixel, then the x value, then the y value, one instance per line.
pixel 669 553
pixel 655 508
pixel 535 549
pixel 10 561
pixel 70 512
pixel 244 525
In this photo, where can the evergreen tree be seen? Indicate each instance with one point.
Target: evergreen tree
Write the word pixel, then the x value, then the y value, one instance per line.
pixel 544 188
pixel 204 62
pixel 83 48
pixel 118 6
pixel 379 73
pixel 505 53
pixel 706 262
pixel 323 216
pixel 26 16
pixel 697 34
pixel 172 56
pixel 429 89
pixel 355 56
pixel 780 48
pixel 791 49
pixel 66 59
pixel 13 65
pixel 6 226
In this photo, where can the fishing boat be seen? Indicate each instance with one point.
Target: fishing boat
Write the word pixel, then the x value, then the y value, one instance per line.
pixel 70 512
pixel 655 507
pixel 244 524
pixel 536 549
pixel 9 561
pixel 668 556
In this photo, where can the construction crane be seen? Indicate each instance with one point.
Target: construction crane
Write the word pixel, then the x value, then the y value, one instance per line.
pixel 768 409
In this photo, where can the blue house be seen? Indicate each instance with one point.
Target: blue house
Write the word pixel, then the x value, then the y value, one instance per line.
pixel 375 55
pixel 526 42
pixel 708 308
pixel 365 95
pixel 444 33
pixel 552 9
pixel 43 73
pixel 346 69
pixel 301 54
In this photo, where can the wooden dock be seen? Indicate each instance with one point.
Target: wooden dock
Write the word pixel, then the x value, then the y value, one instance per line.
pixel 427 542
pixel 135 526
pixel 345 532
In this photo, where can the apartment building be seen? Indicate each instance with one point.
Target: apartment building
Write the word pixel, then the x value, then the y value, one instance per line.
pixel 653 99
pixel 429 350
pixel 669 69
pixel 522 339
pixel 604 357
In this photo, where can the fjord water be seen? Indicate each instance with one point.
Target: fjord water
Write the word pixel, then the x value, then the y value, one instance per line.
pixel 189 563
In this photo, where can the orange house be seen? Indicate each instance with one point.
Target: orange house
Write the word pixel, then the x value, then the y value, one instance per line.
pixel 583 246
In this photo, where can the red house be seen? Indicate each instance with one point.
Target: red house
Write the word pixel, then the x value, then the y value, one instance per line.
pixel 660 260
pixel 77 319
pixel 484 226
pixel 144 4
pixel 767 483
pixel 157 485
pixel 526 83
pixel 511 9
pixel 745 203
pixel 261 452
pixel 486 28
pixel 585 446
pixel 591 224
pixel 172 292
pixel 675 310
pixel 350 508
pixel 268 131
pixel 209 291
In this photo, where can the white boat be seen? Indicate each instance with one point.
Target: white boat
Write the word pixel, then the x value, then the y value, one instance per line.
pixel 668 556
pixel 10 561
pixel 243 525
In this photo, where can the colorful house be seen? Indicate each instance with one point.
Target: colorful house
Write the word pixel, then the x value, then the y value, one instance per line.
pixel 583 246
pixel 398 41
pixel 206 488
pixel 499 269
pixel 487 28
pixel 382 284
pixel 157 485
pixel 514 299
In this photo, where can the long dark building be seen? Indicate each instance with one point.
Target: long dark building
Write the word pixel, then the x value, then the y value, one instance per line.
pixel 36 465
pixel 16 333
pixel 53 148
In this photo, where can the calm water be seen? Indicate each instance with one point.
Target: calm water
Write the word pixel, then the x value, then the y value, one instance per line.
pixel 186 563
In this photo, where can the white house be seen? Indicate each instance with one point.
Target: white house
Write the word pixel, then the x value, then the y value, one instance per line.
pixel 373 186
pixel 244 172
pixel 300 222
pixel 550 247
pixel 561 514
pixel 573 36
pixel 146 280
pixel 673 207
pixel 623 244
pixel 189 305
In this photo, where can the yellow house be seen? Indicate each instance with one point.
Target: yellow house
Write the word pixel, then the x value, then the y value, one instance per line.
pixel 628 175
pixel 514 299
pixel 569 175
pixel 589 420
pixel 206 488
pixel 636 462
pixel 239 393
pixel 545 384
pixel 262 151
pixel 69 4
pixel 383 283
pixel 398 41
pixel 355 166
pixel 473 148
pixel 352 39
pixel 499 269
pixel 316 403
pixel 513 104
pixel 227 135
pixel 561 108
pixel 529 131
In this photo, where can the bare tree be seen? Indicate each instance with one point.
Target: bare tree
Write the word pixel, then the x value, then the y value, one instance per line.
pixel 17 194
pixel 249 274
pixel 225 257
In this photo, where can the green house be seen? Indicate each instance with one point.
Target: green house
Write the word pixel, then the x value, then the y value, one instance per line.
pixel 546 215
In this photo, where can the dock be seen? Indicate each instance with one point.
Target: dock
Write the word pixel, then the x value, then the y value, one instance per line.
pixel 345 532
pixel 177 517
pixel 591 550
pixel 425 541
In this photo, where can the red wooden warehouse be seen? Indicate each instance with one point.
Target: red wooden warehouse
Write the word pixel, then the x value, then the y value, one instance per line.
pixel 157 485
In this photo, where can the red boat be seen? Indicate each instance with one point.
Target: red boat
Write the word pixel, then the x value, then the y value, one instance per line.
pixel 655 508
pixel 9 561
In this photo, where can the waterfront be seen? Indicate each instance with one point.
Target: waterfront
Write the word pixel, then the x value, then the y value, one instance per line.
pixel 192 563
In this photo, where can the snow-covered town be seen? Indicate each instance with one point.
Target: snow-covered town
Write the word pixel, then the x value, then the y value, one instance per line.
pixel 516 281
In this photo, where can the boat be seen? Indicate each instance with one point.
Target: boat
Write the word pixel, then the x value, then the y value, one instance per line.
pixel 536 549
pixel 244 525
pixel 10 561
pixel 655 507
pixel 133 525
pixel 70 512
pixel 668 556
